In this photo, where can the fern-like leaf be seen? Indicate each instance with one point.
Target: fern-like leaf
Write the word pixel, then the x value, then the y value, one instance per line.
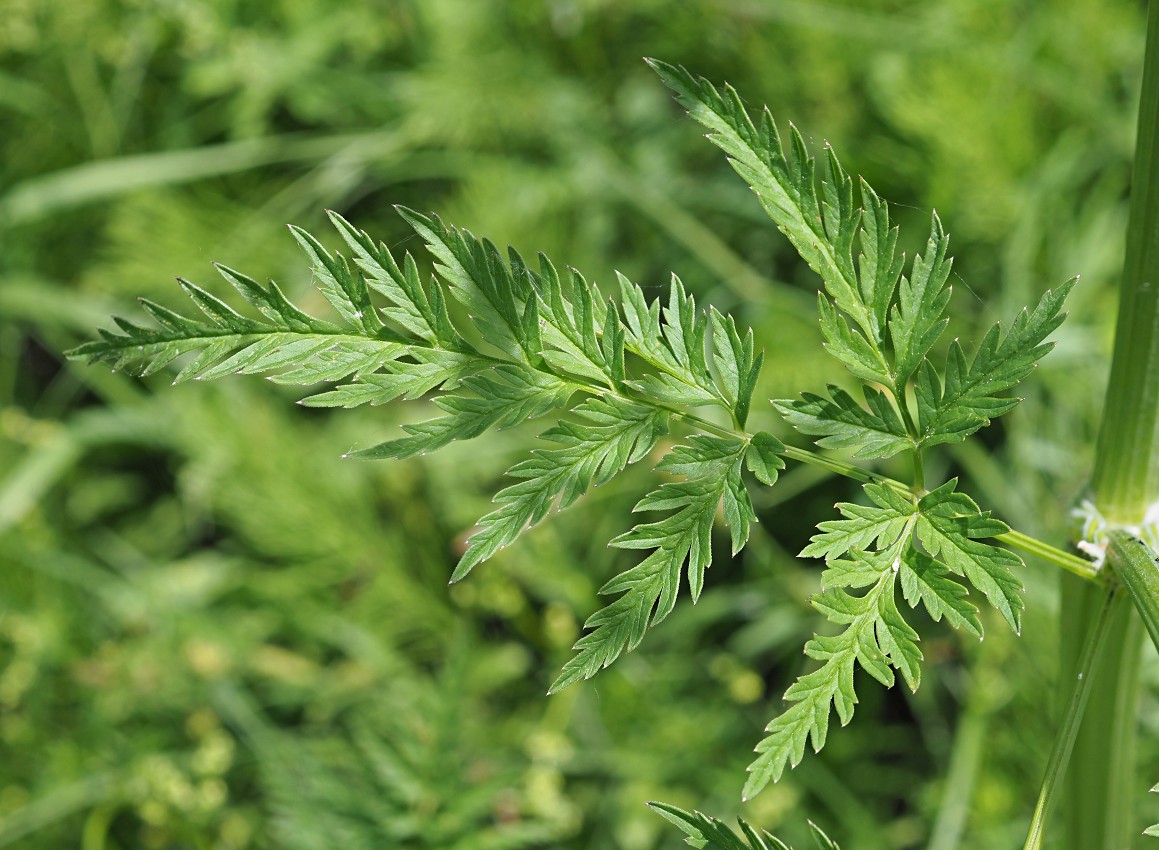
pixel 499 397
pixel 843 423
pixel 952 527
pixel 495 342
pixel 606 436
pixel 544 338
pixel 711 471
pixel 829 687
pixel 875 546
pixel 880 324
pixel 968 396
pixel 302 348
pixel 822 225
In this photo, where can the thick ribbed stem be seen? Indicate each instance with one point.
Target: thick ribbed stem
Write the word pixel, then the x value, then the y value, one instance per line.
pixel 1126 478
pixel 1100 785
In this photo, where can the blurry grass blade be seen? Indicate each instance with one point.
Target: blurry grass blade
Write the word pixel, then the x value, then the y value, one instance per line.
pixel 42 196
pixel 57 805
pixel 48 463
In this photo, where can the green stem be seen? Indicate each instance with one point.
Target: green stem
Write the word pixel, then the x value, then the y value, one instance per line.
pixel 840 467
pixel 1092 652
pixel 1099 814
pixel 919 472
pixel 706 425
pixel 1073 564
pixel 1126 477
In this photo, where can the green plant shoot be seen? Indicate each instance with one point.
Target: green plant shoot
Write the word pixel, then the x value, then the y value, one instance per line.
pixel 614 375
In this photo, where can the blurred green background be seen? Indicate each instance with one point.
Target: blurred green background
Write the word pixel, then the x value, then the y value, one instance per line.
pixel 215 633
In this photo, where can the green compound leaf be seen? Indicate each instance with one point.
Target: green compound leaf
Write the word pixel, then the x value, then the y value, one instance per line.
pixel 843 423
pixel 896 540
pixel 917 319
pixel 496 342
pixel 880 324
pixel 500 397
pixel 606 436
pixel 822 226
pixel 865 527
pixel 709 833
pixel 303 349
pixel 968 396
pixel 711 469
pixel 876 322
pixel 672 341
pixel 829 687
pixel 763 458
pixel 952 527
pixel 634 366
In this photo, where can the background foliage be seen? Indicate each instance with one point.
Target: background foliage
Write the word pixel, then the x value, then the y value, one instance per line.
pixel 216 633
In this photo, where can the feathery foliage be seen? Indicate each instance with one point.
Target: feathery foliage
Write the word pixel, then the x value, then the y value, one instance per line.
pixel 540 339
pixel 882 324
pixel 710 469
pixel 497 342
